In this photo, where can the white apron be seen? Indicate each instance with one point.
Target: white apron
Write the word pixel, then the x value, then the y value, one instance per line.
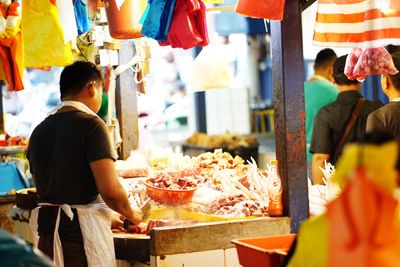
pixel 94 219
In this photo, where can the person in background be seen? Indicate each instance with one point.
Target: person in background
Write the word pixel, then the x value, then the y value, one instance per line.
pixel 387 118
pixel 72 165
pixel 331 122
pixel 319 91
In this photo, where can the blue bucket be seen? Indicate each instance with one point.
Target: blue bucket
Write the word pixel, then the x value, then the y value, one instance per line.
pixel 10 178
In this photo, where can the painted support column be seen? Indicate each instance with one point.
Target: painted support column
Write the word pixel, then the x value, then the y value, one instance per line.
pixel 288 84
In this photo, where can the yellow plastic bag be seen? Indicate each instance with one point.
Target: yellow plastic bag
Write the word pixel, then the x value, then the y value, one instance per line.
pixel 43 35
pixel 211 69
pixel 312 244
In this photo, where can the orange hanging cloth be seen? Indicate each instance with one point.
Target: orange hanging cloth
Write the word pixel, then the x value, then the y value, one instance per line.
pixel 264 9
pixel 11 47
pixel 357 23
pixel 364 227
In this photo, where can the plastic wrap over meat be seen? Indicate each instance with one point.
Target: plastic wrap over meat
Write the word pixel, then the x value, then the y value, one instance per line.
pixel 363 62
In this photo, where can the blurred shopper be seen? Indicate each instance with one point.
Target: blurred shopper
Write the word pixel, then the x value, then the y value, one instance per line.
pixel 319 91
pixel 339 122
pixel 387 118
pixel 72 163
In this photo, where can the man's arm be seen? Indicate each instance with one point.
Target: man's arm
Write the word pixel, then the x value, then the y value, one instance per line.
pixel 321 144
pixel 317 162
pixel 111 190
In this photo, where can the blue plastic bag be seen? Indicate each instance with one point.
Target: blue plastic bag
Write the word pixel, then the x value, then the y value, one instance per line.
pixel 157 19
pixel 81 16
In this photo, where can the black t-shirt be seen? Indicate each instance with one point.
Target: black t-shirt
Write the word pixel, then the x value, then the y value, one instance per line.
pixel 386 119
pixel 60 151
pixel 331 121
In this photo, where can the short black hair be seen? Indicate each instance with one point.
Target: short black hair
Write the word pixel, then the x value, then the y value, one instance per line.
pixel 324 58
pixel 395 79
pixel 377 137
pixel 76 76
pixel 338 72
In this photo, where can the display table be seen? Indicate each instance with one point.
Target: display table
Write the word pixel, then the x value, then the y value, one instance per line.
pixel 202 244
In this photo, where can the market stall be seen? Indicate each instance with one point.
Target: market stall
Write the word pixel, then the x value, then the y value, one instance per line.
pixel 199 203
pixel 241 190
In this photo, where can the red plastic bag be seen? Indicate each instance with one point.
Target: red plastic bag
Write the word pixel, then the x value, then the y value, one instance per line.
pixel 189 27
pixel 363 62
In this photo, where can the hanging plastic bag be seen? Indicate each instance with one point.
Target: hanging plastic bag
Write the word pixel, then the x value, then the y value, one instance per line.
pixel 361 23
pixel 44 43
pixel 211 69
pixel 11 53
pixel 369 61
pixel 351 62
pixel 67 19
pixel 189 27
pixel 81 16
pixel 124 21
pixel 12 61
pixel 264 9
pixel 157 19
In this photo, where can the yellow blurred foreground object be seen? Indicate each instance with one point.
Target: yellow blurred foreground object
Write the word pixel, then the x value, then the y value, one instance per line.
pixel 361 227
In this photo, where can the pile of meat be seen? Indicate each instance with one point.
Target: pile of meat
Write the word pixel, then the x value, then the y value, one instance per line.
pixel 208 162
pixel 237 206
pixel 174 180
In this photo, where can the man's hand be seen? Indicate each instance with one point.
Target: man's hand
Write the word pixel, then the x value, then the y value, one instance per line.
pixel 317 162
pixel 136 218
pixel 117 222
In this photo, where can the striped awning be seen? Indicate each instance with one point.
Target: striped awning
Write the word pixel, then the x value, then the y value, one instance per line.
pixel 357 23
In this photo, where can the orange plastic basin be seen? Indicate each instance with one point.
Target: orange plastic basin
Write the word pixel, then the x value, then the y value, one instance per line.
pixel 172 197
pixel 267 251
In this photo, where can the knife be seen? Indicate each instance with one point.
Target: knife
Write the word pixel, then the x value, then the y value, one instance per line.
pixel 145 208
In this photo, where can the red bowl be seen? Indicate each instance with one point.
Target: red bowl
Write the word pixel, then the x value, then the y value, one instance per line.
pixel 172 197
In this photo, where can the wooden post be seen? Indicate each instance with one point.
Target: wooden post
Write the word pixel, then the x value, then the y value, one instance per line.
pixel 288 84
pixel 126 102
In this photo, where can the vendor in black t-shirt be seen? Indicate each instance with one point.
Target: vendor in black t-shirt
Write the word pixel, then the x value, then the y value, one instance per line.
pixel 72 163
pixel 331 121
pixel 387 118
